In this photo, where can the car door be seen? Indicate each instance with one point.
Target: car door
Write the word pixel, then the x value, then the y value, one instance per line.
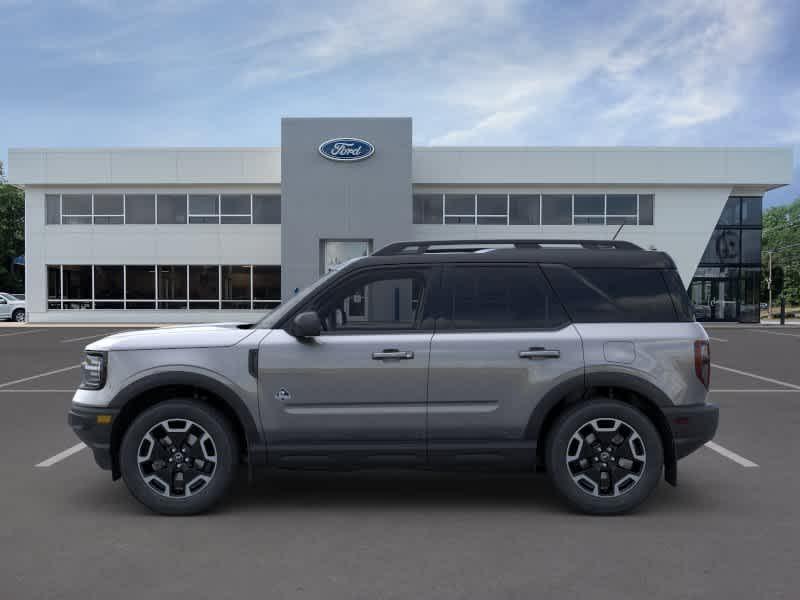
pixel 359 390
pixel 502 342
pixel 5 308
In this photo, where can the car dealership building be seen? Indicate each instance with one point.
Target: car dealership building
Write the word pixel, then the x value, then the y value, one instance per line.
pixel 201 234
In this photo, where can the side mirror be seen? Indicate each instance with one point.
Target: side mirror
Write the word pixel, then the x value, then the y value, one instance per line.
pixel 306 325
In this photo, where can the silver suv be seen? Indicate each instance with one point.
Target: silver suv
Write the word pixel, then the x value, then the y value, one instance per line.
pixel 581 359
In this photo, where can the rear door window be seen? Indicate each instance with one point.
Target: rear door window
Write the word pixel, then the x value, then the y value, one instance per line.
pixel 608 295
pixel 498 297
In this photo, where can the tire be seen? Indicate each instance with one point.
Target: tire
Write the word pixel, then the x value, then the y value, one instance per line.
pixel 163 431
pixel 18 315
pixel 586 488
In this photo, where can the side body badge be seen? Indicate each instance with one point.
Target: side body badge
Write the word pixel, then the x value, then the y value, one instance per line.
pixel 283 395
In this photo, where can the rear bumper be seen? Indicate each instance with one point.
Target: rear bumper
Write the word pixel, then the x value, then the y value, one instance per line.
pixel 84 422
pixel 692 426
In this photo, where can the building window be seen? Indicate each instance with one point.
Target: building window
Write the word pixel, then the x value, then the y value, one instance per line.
pixel 172 286
pixel 266 209
pixel 646 209
pixel 171 209
pixel 76 209
pixel 53 286
pixel 459 209
pixel 589 209
pixel 52 204
pixel 751 212
pixel 556 209
pixel 236 287
pixel 203 208
pixel 140 287
pixel 523 209
pixel 235 209
pixel 76 283
pixel 533 209
pixel 163 287
pixel 203 286
pixel 109 287
pixel 428 209
pixel 726 284
pixel 140 209
pixel 492 209
pixel 266 287
pixel 109 209
pixel 621 209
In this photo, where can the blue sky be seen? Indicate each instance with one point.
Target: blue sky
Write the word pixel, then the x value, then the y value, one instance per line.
pixel 472 72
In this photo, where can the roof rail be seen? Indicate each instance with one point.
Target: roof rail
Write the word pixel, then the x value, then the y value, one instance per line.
pixel 436 246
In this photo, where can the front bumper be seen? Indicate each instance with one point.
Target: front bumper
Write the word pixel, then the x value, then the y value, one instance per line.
pixel 94 432
pixel 692 426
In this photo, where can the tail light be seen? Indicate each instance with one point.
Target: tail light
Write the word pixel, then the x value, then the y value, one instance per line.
pixel 702 362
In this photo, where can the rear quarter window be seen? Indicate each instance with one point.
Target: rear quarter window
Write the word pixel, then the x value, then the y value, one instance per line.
pixel 613 295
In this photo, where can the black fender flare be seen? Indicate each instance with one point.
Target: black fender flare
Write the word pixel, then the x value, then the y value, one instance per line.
pixel 256 446
pixel 576 387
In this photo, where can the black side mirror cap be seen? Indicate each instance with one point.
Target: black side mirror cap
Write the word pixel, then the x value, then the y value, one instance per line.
pixel 306 325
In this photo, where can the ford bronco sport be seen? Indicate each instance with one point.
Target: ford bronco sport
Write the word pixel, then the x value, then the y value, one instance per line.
pixel 579 358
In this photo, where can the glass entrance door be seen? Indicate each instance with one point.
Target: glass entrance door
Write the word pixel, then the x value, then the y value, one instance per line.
pixel 714 299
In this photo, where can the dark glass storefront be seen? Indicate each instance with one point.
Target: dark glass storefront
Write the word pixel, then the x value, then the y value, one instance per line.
pixel 726 284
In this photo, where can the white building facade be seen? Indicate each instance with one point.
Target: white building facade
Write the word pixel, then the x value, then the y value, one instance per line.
pixel 202 234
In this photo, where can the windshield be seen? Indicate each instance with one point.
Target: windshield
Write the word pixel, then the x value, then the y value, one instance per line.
pixel 276 315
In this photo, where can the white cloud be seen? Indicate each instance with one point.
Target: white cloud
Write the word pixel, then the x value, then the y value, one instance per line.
pixel 503 121
pixel 297 45
pixel 674 65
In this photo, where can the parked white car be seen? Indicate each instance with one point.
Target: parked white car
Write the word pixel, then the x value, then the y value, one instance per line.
pixel 12 308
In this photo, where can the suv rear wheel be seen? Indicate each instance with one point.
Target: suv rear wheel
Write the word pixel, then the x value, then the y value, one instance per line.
pixel 19 315
pixel 604 457
pixel 179 457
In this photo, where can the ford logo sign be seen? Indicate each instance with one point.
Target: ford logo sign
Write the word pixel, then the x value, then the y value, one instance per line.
pixel 346 149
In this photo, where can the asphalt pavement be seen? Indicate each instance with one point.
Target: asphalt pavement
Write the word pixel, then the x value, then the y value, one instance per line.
pixel 729 530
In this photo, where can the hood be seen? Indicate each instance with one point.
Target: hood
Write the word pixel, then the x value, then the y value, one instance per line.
pixel 211 335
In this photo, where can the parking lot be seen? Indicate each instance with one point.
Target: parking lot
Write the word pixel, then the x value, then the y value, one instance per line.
pixel 729 529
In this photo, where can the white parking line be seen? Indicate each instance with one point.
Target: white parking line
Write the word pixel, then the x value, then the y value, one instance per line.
pixel 754 376
pixel 776 333
pixel 716 339
pixel 24 379
pixel 27 332
pixel 86 337
pixel 49 462
pixel 741 460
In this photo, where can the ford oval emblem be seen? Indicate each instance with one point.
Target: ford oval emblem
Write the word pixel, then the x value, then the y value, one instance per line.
pixel 346 149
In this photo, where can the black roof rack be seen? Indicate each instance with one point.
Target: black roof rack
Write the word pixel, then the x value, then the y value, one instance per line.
pixel 440 246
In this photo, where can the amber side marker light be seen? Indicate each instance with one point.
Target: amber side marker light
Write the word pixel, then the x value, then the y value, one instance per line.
pixel 103 419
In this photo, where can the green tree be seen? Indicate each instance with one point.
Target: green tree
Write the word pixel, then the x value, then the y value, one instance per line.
pixel 782 235
pixel 12 235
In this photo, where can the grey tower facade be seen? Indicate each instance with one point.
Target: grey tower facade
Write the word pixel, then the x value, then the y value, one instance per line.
pixel 330 207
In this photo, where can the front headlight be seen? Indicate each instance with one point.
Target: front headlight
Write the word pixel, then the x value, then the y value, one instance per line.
pixel 93 371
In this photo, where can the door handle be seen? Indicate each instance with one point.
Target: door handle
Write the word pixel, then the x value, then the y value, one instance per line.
pixel 392 354
pixel 537 353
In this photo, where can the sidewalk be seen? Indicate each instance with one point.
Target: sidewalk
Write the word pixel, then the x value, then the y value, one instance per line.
pixel 763 323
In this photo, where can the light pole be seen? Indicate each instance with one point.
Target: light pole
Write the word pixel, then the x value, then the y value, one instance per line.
pixel 769 277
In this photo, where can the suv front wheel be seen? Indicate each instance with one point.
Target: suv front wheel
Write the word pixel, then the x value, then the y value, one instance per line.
pixel 179 457
pixel 604 457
